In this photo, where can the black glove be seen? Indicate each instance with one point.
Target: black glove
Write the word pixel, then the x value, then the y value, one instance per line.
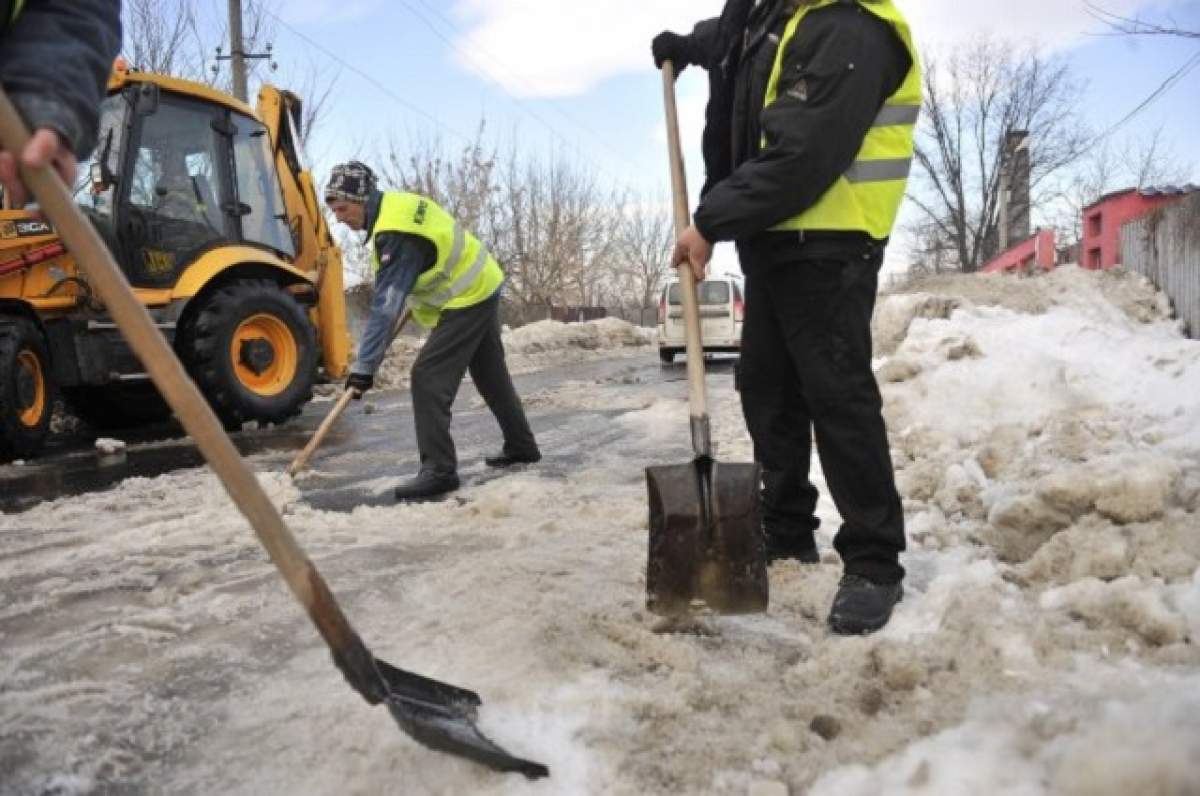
pixel 668 46
pixel 360 383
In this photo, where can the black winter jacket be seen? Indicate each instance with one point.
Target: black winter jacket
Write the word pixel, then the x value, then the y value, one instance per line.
pixel 839 68
pixel 55 61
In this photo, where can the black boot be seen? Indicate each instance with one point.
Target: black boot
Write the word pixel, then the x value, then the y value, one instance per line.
pixel 862 606
pixel 427 485
pixel 506 459
pixel 801 547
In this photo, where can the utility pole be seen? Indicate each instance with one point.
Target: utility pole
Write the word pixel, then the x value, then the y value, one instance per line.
pixel 1005 197
pixel 237 55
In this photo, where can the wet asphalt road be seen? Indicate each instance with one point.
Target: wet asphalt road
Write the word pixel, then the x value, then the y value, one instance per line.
pixel 369 451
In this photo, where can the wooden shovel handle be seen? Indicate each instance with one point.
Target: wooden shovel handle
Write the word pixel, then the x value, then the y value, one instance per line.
pixel 180 392
pixel 303 456
pixel 319 436
pixel 697 396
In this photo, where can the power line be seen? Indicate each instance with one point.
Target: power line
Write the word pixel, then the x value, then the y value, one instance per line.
pixel 367 77
pixel 406 103
pixel 1174 78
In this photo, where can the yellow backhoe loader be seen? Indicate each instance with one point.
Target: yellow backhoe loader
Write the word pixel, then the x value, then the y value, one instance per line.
pixel 206 205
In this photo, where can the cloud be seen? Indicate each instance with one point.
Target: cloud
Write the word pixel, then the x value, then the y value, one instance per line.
pixel 558 48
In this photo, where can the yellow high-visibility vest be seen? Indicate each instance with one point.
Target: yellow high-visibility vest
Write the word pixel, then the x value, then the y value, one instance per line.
pixel 464 274
pixel 867 197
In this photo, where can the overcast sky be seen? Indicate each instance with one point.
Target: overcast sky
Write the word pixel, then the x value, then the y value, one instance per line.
pixel 577 78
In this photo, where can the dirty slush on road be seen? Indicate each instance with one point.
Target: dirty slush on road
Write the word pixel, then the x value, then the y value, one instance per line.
pixel 1045 438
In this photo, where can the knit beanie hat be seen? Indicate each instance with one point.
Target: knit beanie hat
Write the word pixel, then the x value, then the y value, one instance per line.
pixel 350 182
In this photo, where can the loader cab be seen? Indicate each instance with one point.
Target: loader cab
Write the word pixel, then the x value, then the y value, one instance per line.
pixel 174 176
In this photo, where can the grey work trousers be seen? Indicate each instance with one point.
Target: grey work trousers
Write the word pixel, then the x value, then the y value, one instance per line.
pixel 464 340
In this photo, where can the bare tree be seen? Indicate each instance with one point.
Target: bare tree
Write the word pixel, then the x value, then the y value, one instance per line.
pixel 1136 26
pixel 315 89
pixel 646 238
pixel 547 221
pixel 973 99
pixel 162 36
pixel 462 182
pixel 930 250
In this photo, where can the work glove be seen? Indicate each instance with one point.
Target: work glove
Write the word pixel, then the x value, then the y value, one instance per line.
pixel 668 46
pixel 360 383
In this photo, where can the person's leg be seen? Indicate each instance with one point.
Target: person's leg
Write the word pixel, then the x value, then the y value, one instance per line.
pixel 828 331
pixel 489 371
pixel 778 421
pixel 828 328
pixel 436 375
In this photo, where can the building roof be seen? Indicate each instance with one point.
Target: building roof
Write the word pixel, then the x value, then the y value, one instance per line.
pixel 1148 192
pixel 1169 190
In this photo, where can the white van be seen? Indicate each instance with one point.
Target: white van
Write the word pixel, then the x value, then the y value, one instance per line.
pixel 722 308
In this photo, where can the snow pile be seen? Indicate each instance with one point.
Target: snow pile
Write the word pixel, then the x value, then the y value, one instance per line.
pixel 535 346
pixel 1046 436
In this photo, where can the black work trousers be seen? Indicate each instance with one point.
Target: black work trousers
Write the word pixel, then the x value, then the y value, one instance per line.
pixel 464 340
pixel 806 366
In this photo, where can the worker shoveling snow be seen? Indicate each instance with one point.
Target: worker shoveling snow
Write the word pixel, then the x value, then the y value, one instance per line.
pixel 1046 435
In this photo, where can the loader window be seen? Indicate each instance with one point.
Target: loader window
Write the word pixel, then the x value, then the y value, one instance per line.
pixel 96 183
pixel 264 219
pixel 174 191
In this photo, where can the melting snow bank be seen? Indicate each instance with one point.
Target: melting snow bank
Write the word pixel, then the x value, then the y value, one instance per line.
pixel 1045 435
pixel 537 345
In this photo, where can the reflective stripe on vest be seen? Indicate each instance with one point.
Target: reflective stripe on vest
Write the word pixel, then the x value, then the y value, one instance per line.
pixel 464 273
pixel 867 197
pixel 12 17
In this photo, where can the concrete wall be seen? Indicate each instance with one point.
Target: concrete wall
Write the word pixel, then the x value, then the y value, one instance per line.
pixel 1164 246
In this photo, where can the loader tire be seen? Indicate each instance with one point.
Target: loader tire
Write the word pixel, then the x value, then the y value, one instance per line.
pixel 26 389
pixel 252 351
pixel 117 406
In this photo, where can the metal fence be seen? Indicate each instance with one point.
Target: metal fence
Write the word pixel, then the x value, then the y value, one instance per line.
pixel 1164 246
pixel 358 309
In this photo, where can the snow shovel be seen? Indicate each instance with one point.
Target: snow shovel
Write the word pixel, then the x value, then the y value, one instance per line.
pixel 303 456
pixel 437 715
pixel 706 539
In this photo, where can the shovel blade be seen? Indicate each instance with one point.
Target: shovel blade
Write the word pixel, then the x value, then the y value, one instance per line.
pixel 442 717
pixel 706 540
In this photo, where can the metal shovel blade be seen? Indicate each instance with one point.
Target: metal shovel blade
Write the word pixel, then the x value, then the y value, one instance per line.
pixel 442 717
pixel 706 541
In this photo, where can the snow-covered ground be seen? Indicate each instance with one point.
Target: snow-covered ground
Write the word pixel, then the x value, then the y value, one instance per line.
pixel 1046 434
pixel 535 346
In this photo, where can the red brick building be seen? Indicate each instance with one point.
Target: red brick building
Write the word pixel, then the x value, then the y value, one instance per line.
pixel 1036 252
pixel 1100 246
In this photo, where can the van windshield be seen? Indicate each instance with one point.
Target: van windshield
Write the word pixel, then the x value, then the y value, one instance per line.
pixel 708 292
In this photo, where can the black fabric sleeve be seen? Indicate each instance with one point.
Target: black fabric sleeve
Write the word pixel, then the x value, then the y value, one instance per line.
pixel 704 47
pixel 55 62
pixel 838 69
